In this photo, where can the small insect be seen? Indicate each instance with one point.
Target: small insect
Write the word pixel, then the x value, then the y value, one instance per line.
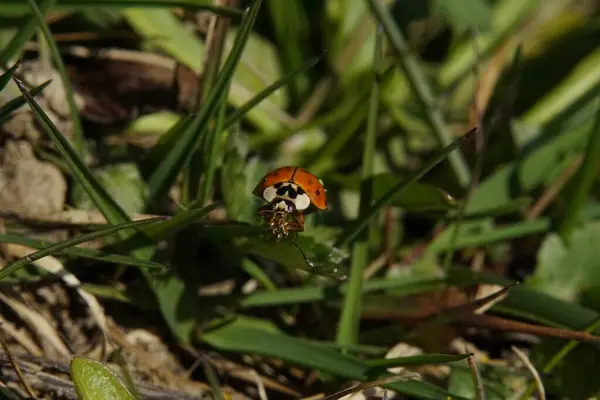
pixel 292 193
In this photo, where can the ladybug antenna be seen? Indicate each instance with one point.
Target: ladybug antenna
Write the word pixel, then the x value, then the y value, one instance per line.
pixel 306 260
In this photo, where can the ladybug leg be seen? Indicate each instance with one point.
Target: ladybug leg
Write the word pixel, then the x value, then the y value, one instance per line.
pixel 297 224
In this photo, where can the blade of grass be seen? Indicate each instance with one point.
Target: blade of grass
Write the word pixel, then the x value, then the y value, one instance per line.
pixel 53 249
pixel 5 77
pixel 583 182
pixel 16 103
pixel 106 204
pixel 214 152
pixel 285 80
pixel 418 82
pixel 349 325
pixel 179 156
pixel 60 66
pixel 364 220
pixel 82 252
pixel 24 34
pixel 192 5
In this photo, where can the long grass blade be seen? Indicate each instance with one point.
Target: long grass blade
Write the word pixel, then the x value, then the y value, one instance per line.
pixel 106 204
pixel 25 33
pixel 421 88
pixel 82 252
pixel 53 249
pixel 60 66
pixel 9 108
pixel 583 182
pixel 364 220
pixel 349 325
pixel 240 112
pixel 179 156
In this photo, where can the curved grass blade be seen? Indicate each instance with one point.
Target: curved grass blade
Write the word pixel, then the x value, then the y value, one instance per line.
pixel 25 33
pixel 16 103
pixel 106 204
pixel 5 77
pixel 82 252
pixel 191 5
pixel 240 112
pixel 364 220
pixel 420 86
pixel 381 365
pixel 250 336
pixel 60 67
pixel 180 155
pixel 23 261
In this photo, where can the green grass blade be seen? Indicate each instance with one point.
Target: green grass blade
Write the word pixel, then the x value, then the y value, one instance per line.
pixel 250 336
pixel 420 87
pixel 60 67
pixel 349 325
pixel 285 80
pixel 5 77
pixel 179 156
pixel 17 6
pixel 364 220
pixel 24 34
pixel 82 252
pixel 9 108
pixel 106 204
pixel 50 250
pixel 583 182
pixel 381 365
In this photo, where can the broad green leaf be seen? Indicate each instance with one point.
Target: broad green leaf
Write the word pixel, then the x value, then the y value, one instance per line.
pixel 123 183
pixel 417 197
pixel 464 14
pixel 245 335
pixel 53 249
pixel 258 67
pixel 304 253
pixel 238 178
pixel 564 271
pixel 94 381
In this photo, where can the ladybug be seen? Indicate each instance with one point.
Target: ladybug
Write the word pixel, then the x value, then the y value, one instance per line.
pixel 291 192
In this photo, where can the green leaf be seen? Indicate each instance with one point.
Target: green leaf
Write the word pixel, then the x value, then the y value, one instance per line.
pixel 180 154
pixel 304 253
pixel 238 178
pixel 53 249
pixel 123 183
pixel 94 381
pixel 564 271
pixel 417 197
pixel 247 335
pixel 464 14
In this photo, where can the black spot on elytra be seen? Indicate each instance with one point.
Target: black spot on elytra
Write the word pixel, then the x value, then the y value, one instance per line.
pixel 310 181
pixel 318 192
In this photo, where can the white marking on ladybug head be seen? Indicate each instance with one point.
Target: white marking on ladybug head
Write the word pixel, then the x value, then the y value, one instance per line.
pixel 288 191
pixel 270 194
